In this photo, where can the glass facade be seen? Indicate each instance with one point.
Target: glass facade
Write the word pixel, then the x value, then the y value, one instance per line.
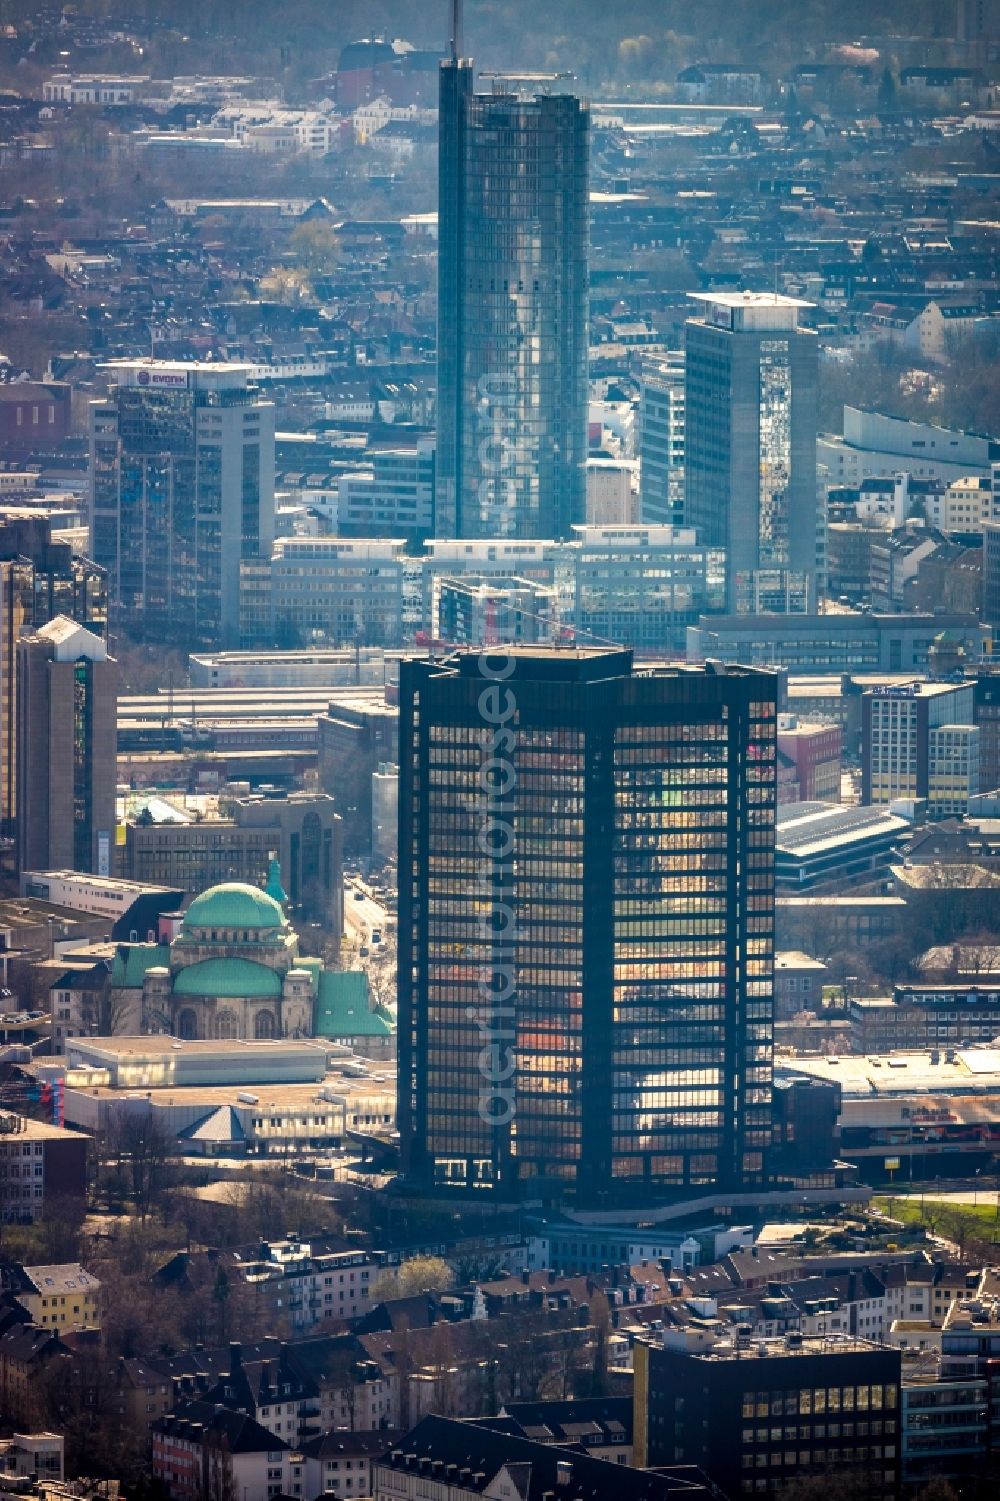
pixel 182 492
pixel 512 311
pixel 612 889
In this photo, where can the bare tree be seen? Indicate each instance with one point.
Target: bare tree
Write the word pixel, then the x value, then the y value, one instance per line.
pixel 139 1148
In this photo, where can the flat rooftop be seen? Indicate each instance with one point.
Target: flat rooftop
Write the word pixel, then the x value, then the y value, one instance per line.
pixel 158 1046
pixel 748 299
pixel 265 1096
pixel 32 1130
pixel 30 911
pixel 961 1070
pixel 109 884
pixel 812 828
pixel 780 1349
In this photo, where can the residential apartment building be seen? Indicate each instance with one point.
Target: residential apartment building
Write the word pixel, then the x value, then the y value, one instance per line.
pixel 59 1298
pixel 40 1165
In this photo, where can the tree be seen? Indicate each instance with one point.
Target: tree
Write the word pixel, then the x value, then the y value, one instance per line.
pixel 960 1228
pixel 418 1274
pixel 139 1149
pixel 316 247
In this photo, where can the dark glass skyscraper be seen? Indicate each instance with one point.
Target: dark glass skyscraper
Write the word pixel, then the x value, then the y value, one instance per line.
pixel 750 447
pixel 512 309
pixel 586 925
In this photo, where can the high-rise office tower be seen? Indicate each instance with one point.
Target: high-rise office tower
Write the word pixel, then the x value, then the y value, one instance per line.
pixel 750 447
pixel 586 925
pixel 182 491
pixel 67 727
pixel 512 308
pixel 661 441
pixel 40 577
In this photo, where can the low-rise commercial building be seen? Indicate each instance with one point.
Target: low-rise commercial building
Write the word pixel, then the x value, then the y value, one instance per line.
pixel 287 1122
pixel 914 1115
pixel 825 844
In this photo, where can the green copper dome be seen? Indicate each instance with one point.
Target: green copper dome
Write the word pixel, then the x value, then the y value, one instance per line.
pixel 234 905
pixel 233 978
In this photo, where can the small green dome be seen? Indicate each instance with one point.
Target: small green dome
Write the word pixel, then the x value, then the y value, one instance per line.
pixel 235 978
pixel 234 905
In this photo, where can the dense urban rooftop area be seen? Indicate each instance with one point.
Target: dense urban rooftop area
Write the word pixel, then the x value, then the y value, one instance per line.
pixel 500 751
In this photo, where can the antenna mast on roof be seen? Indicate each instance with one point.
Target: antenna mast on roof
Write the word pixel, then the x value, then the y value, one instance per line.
pixel 456 30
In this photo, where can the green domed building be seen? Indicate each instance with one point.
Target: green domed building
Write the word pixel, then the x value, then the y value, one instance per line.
pixel 233 971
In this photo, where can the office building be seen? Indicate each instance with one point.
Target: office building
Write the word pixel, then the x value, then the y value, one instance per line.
pixel 480 612
pixel 391 497
pixel 750 447
pixel 643 586
pixel 182 492
pixel 919 740
pixel 543 564
pixel 301 831
pixel 329 590
pixel 66 749
pixel 828 644
pixel 661 441
pixel 828 846
pixel 354 739
pixel 633 1058
pixel 612 499
pixel 814 751
pixel 512 307
pixel 757 1415
pixel 40 577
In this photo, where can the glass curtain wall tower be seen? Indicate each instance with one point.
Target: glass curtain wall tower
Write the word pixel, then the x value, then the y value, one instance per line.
pixel 512 308
pixel 626 919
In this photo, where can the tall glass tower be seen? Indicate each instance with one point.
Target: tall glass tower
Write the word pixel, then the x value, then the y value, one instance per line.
pixel 750 447
pixel 586 926
pixel 512 308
